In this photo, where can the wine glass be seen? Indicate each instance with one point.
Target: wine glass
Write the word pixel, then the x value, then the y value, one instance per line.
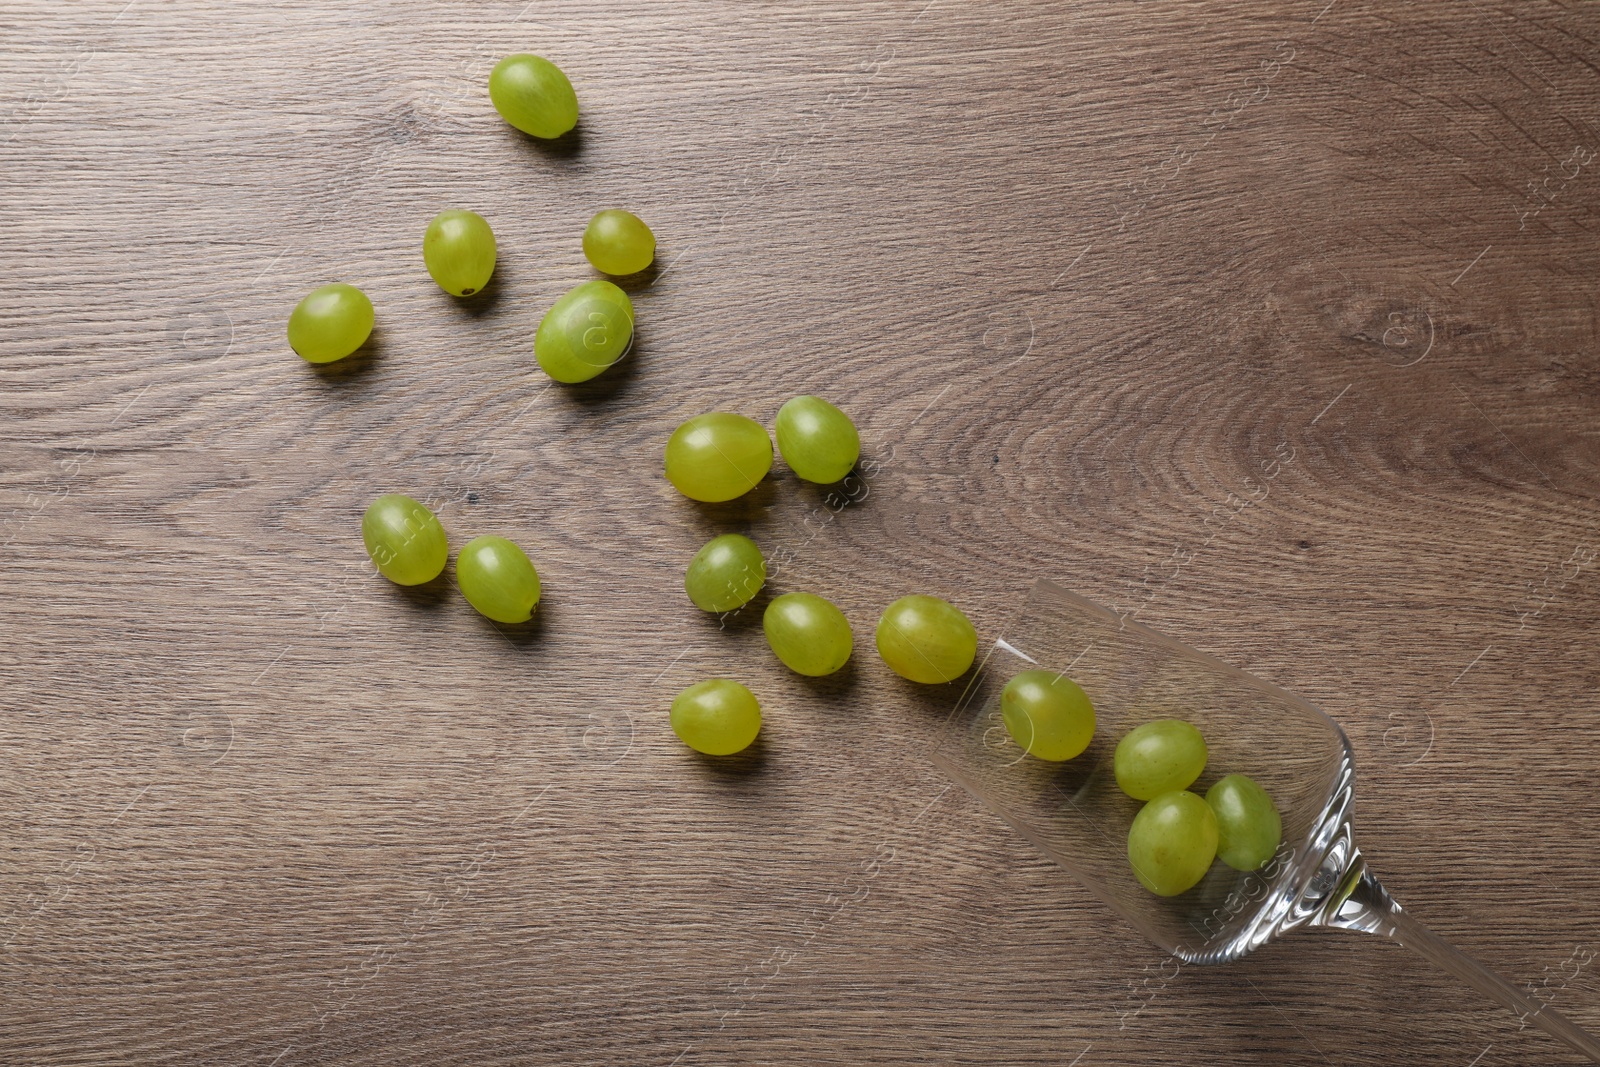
pixel 1075 813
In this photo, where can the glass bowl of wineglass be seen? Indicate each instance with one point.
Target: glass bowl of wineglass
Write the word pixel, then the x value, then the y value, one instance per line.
pixel 1074 811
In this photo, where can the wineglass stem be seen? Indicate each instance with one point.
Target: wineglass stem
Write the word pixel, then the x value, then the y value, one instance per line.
pixel 1362 904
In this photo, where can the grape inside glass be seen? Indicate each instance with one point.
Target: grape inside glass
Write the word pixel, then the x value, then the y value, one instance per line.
pixel 1075 813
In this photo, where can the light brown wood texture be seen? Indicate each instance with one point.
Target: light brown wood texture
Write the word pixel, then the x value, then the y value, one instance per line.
pixel 1082 272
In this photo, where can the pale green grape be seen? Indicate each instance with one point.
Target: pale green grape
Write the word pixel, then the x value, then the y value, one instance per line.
pixel 718 717
pixel 725 573
pixel 926 639
pixel 586 331
pixel 497 578
pixel 1159 757
pixel 533 95
pixel 458 249
pixel 718 456
pixel 330 323
pixel 809 635
pixel 1172 842
pixel 1047 714
pixel 1249 827
pixel 817 440
pixel 404 539
pixel 618 242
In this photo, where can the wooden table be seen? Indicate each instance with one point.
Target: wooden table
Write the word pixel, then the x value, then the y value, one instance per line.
pixel 1274 323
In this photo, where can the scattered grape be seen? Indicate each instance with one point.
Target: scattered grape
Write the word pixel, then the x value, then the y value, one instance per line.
pixel 817 440
pixel 404 539
pixel 1159 757
pixel 809 635
pixel 497 578
pixel 725 574
pixel 330 323
pixel 586 331
pixel 717 456
pixel 926 639
pixel 458 249
pixel 533 95
pixel 618 242
pixel 1248 825
pixel 1047 714
pixel 718 717
pixel 1172 842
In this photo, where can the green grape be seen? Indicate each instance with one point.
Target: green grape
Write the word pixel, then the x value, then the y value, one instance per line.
pixel 458 249
pixel 533 95
pixel 809 635
pixel 586 331
pixel 1047 714
pixel 718 456
pixel 725 574
pixel 497 578
pixel 330 323
pixel 1248 826
pixel 1159 757
pixel 718 717
pixel 818 441
pixel 926 639
pixel 404 539
pixel 1172 842
pixel 618 242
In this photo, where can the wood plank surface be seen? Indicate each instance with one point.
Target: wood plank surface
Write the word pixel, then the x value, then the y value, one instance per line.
pixel 1082 272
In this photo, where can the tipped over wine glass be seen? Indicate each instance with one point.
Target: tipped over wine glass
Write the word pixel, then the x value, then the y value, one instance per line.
pixel 1075 813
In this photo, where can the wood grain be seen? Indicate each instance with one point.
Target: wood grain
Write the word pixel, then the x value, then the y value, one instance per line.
pixel 1084 274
